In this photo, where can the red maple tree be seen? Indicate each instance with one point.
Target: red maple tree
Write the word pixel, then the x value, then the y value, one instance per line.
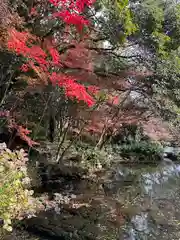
pixel 42 57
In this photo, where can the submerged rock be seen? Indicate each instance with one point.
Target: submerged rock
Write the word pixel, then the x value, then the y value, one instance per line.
pixel 80 219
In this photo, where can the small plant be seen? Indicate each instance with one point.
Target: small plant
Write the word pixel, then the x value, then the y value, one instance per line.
pixel 15 198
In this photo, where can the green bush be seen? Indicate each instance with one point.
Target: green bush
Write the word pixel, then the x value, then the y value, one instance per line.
pixel 140 149
pixel 15 198
pixel 131 142
pixel 92 158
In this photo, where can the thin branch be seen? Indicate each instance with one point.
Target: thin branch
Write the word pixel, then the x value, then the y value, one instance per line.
pixel 110 51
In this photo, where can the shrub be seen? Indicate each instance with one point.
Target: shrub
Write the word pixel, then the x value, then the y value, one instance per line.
pixel 140 149
pixel 91 158
pixel 131 141
pixel 15 199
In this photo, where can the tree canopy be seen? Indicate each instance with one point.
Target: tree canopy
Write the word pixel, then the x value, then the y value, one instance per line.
pixel 93 50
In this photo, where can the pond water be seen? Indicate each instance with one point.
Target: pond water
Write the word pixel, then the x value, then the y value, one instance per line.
pixel 155 200
pixel 128 203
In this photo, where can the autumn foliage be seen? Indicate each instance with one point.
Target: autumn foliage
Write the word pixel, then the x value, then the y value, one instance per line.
pixel 67 58
pixel 42 56
pixel 42 59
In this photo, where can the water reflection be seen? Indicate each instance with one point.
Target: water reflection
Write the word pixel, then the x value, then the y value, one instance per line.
pixel 166 174
pixel 157 204
pixel 130 203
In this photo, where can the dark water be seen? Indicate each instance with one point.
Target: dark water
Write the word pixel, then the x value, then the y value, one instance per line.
pixel 127 202
pixel 156 210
